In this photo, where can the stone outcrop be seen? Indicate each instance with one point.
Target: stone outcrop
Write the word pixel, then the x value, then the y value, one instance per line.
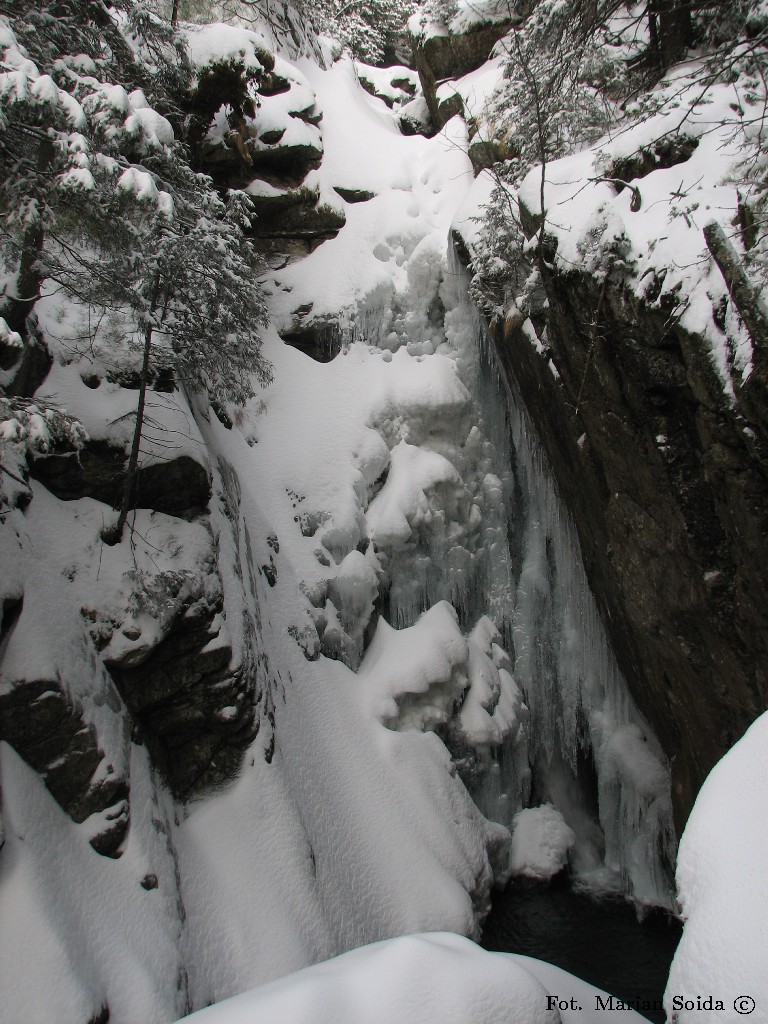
pixel 22 371
pixel 667 483
pixel 194 710
pixel 296 229
pixel 441 57
pixel 179 487
pixel 45 728
pixel 272 165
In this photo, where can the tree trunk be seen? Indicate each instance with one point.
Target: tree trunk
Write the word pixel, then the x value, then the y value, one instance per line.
pixel 114 536
pixel 744 296
pixel 18 306
pixel 175 13
pixel 671 31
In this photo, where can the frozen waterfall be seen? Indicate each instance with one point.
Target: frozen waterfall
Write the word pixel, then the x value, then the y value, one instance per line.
pixel 495 540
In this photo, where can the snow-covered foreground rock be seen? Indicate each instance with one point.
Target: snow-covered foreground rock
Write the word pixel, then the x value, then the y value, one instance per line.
pixel 721 882
pixel 423 979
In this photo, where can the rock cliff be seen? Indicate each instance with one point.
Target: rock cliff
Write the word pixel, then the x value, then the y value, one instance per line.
pixel 666 483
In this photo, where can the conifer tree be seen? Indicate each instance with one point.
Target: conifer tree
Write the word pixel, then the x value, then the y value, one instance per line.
pixel 97 195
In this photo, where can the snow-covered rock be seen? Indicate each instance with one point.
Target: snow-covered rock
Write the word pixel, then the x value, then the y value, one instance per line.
pixel 722 892
pixel 541 840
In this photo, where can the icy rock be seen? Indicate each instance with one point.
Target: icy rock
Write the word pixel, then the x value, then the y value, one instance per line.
pixel 109 828
pixel 414 677
pixel 403 502
pixel 578 698
pixel 353 590
pixel 493 708
pixel 394 85
pixel 306 637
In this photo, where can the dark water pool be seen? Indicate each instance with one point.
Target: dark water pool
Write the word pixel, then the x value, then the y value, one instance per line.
pixel 600 941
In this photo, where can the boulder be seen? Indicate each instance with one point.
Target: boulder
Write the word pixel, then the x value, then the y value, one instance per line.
pixel 440 57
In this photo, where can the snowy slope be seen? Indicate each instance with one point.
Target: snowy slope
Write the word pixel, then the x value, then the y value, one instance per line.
pixel 339 831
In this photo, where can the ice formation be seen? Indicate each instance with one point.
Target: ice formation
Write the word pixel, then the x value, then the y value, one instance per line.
pixel 540 842
pixel 583 719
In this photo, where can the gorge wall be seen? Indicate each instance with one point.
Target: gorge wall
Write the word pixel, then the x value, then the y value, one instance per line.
pixel 666 483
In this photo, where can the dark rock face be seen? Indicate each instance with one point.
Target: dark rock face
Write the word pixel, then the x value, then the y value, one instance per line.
pixel 195 712
pixel 316 338
pixel 42 725
pixel 179 487
pixel 312 224
pixel 442 57
pixel 667 482
pixel 354 195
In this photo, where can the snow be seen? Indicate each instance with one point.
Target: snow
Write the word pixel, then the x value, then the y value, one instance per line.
pixel 396 85
pixel 220 43
pixel 53 914
pixel 540 842
pixel 425 663
pixel 418 978
pixel 663 239
pixel 107 411
pixel 475 89
pixel 721 888
pixel 436 977
pixel 413 471
pixel 467 15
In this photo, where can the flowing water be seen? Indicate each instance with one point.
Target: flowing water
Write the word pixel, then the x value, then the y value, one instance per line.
pixel 601 941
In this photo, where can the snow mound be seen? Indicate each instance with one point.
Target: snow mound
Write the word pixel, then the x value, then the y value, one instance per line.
pixel 722 891
pixel 416 978
pixel 540 842
pixel 219 44
pixel 416 675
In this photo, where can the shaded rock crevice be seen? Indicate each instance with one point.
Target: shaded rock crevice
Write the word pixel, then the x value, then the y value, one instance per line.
pixel 193 709
pixel 178 487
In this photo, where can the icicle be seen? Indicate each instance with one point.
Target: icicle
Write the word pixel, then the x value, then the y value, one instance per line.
pixel 580 705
